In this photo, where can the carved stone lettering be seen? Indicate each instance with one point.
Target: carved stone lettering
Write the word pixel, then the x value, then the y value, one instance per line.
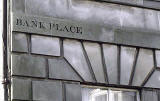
pixel 61 27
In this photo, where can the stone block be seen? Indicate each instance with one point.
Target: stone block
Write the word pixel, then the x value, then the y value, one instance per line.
pixel 27 65
pixel 158 58
pixel 18 6
pixel 47 91
pixel 151 19
pixel 154 80
pixel 73 92
pixel 21 89
pixel 111 61
pixel 127 61
pixel 60 69
pixel 19 42
pixel 45 45
pixel 93 51
pixel 144 66
pixel 73 52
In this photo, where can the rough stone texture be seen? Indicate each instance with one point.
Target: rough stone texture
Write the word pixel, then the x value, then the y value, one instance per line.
pixel 21 89
pixel 47 90
pixel 143 67
pixel 18 6
pixel 149 95
pixel 73 92
pixel 151 19
pixel 132 17
pixel 154 80
pixel 19 42
pixel 158 58
pixel 73 52
pixel 110 55
pixel 60 69
pixel 127 59
pixel 93 51
pixel 27 65
pixel 45 45
pixel 138 37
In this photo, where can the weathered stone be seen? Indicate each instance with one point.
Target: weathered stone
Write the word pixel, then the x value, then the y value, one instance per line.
pixel 151 4
pixel 45 45
pixel 74 54
pixel 60 69
pixel 52 8
pixel 127 60
pixel 18 6
pixel 21 89
pixel 158 58
pixel 132 17
pixel 27 65
pixel 154 80
pixel 143 67
pixel 93 51
pixel 111 55
pixel 138 37
pixel 19 42
pixel 47 90
pixel 151 19
pixel 73 92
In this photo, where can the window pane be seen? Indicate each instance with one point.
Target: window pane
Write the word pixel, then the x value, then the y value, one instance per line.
pixel 122 96
pixel 91 94
pixel 107 94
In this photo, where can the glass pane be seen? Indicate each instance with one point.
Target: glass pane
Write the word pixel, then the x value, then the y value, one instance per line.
pixel 107 94
pixel 91 94
pixel 122 96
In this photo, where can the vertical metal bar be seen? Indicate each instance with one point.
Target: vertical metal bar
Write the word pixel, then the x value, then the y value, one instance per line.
pixel 5 64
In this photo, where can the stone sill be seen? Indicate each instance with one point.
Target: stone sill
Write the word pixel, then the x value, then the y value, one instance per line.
pixel 149 4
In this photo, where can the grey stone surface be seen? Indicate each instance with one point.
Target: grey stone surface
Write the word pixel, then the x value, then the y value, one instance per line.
pixel 143 67
pixel 124 35
pixel 154 80
pixel 149 95
pixel 21 89
pixel 84 10
pixel 47 90
pixel 93 51
pixel 159 19
pixel 132 17
pixel 60 69
pixel 18 6
pixel 27 65
pixel 151 19
pixel 158 58
pixel 73 52
pixel 110 55
pixel 73 92
pixel 45 45
pixel 127 59
pixel 19 42
pixel 136 37
pixel 151 4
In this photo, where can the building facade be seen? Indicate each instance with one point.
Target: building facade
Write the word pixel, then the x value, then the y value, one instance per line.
pixel 81 50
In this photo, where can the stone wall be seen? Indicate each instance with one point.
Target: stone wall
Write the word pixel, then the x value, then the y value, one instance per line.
pixel 47 65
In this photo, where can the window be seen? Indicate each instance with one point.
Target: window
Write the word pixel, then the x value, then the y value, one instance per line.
pixel 108 94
